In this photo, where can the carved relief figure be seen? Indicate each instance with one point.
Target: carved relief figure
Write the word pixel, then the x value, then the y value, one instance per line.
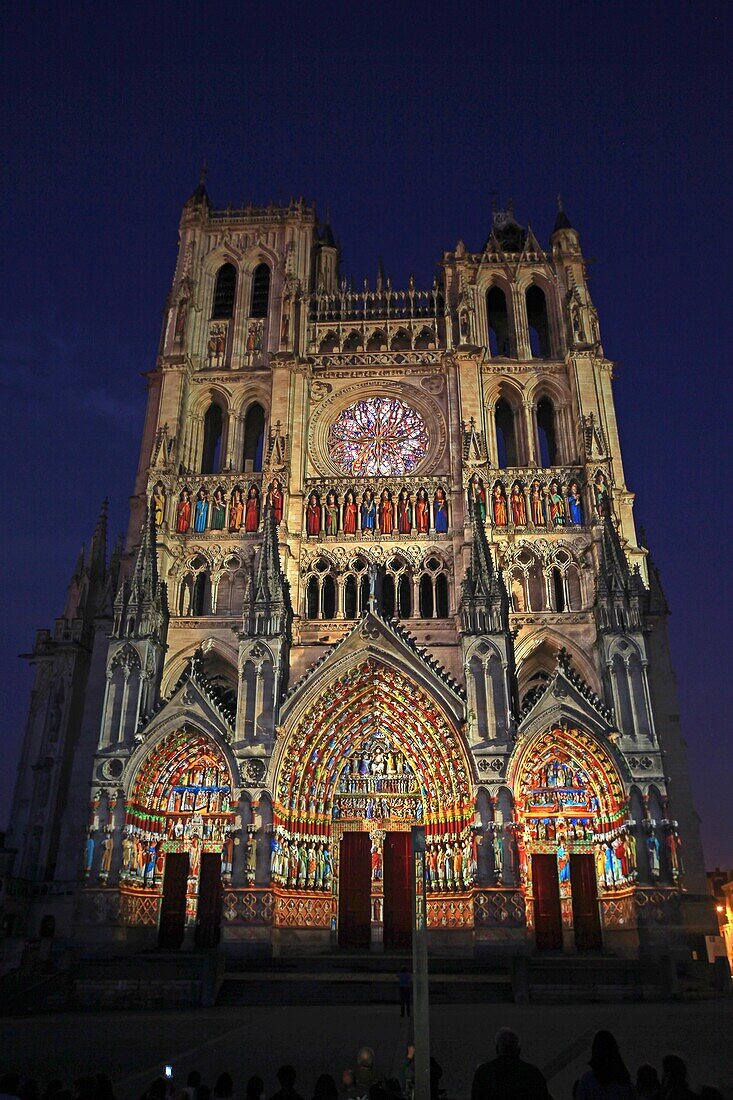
pixel 183 512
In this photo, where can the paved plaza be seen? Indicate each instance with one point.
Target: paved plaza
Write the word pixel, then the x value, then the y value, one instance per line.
pixel 134 1046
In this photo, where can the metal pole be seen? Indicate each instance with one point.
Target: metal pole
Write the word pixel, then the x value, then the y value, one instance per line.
pixel 420 991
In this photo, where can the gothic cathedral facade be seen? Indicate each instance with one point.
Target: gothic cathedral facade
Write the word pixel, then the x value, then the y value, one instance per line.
pixel 382 570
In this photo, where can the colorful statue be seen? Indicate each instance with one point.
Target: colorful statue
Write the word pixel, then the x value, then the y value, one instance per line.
pixel 518 506
pixel 536 505
pixel 563 863
pixel 183 512
pixel 252 510
pixel 386 513
pixel 499 505
pixel 236 512
pixel 600 494
pixel 477 497
pixel 652 848
pixel 313 516
pixel 158 504
pixel 218 510
pixel 331 514
pixel 498 849
pixel 201 512
pixel 350 513
pixel 440 511
pixel 404 512
pixel 368 511
pixel 276 500
pixel 422 512
pixel 575 504
pixel 107 849
pixel 227 856
pixel 557 505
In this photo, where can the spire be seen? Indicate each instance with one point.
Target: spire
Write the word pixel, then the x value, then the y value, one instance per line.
pixel 98 548
pixel 270 611
pixel 146 610
pixel 200 196
pixel 561 221
pixel 484 602
pixel 618 591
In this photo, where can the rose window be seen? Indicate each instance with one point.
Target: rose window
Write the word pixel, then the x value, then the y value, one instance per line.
pixel 378 437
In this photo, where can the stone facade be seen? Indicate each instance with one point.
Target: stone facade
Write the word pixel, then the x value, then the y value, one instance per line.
pixel 381 570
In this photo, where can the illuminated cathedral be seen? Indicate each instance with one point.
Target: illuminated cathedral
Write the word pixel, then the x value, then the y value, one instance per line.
pixel 381 571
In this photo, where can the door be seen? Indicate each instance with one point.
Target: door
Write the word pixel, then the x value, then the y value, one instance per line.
pixel 397 890
pixel 173 904
pixel 586 919
pixel 208 920
pixel 355 884
pixel 546 890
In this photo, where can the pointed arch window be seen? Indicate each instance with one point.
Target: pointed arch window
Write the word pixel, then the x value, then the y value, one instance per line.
pixel 254 438
pixel 546 432
pixel 506 436
pixel 260 291
pixel 498 321
pixel 211 455
pixel 537 320
pixel 224 291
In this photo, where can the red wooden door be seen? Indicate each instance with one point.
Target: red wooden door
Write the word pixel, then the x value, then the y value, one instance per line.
pixel 586 919
pixel 208 912
pixel 546 891
pixel 397 891
pixel 355 883
pixel 173 904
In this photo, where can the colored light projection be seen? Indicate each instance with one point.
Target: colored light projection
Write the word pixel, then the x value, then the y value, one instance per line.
pixel 568 788
pixel 373 748
pixel 378 436
pixel 183 791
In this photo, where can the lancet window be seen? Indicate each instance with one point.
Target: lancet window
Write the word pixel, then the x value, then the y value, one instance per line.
pixel 260 291
pixel 254 439
pixel 212 450
pixel 538 322
pixel 224 291
pixel 497 318
pixel 194 597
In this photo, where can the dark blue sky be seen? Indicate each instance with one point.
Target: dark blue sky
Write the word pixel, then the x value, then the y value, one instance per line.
pixel 404 120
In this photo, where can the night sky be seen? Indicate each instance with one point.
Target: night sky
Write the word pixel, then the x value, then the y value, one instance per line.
pixel 405 121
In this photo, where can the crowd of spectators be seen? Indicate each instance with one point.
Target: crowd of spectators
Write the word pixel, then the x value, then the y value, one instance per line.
pixel 505 1077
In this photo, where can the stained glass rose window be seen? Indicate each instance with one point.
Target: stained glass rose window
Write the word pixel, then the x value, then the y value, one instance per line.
pixel 378 437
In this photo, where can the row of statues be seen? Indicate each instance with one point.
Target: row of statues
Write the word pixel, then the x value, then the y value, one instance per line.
pixel 383 514
pixel 452 865
pixel 541 505
pixel 300 865
pixel 206 511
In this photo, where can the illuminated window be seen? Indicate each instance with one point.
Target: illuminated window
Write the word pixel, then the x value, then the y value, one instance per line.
pixel 378 436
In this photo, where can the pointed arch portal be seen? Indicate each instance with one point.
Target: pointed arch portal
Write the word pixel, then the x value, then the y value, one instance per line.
pixel 372 756
pixel 574 837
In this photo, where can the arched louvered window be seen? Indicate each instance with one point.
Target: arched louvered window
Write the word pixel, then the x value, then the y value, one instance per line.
pixel 254 438
pixel 498 321
pixel 506 437
pixel 260 291
pixel 539 326
pixel 213 429
pixel 224 290
pixel 546 432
